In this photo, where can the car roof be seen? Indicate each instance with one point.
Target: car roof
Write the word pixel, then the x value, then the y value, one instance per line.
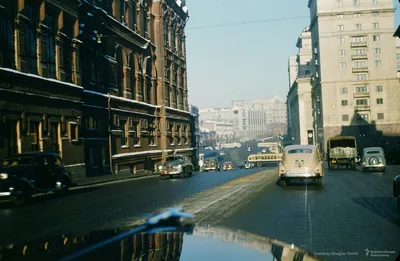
pixel 343 138
pixel 32 154
pixel 291 147
pixel 373 148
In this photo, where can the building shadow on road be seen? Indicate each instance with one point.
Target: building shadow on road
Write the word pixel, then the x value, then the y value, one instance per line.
pixel 384 207
pixel 367 135
pixel 49 196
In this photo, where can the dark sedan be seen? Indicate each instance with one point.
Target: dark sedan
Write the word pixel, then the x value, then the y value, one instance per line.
pixel 23 175
pixel 396 190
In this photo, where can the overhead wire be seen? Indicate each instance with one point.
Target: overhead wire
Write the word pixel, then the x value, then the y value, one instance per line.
pixel 246 22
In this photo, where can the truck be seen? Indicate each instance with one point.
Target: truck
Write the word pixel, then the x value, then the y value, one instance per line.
pixel 342 151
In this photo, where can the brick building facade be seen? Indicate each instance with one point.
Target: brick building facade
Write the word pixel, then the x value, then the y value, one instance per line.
pixel 83 78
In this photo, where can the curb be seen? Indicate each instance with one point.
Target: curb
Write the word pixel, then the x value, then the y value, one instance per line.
pixel 75 184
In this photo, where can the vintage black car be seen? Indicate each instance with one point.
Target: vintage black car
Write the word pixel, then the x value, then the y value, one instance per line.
pixel 396 190
pixel 212 164
pixel 24 175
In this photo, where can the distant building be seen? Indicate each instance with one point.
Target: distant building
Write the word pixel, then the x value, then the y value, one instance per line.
pixel 275 115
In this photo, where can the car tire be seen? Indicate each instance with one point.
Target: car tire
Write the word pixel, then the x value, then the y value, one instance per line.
pixel 282 183
pixel 23 197
pixel 398 203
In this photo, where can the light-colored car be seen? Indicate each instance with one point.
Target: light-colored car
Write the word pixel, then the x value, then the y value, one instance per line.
pixel 373 158
pixel 222 153
pixel 228 166
pixel 176 165
pixel 300 162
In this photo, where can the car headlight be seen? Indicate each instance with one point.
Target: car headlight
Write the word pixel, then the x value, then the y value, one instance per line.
pixel 3 175
pixel 160 167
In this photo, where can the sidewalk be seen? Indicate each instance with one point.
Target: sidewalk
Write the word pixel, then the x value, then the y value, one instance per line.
pixel 110 177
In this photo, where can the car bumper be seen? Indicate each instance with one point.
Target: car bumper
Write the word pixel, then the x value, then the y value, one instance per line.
pixel 373 166
pixel 300 175
pixel 170 173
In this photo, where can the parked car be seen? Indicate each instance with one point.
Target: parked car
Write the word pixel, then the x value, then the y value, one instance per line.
pixel 222 153
pixel 301 162
pixel 228 166
pixel 176 165
pixel 373 158
pixel 212 164
pixel 396 190
pixel 241 165
pixel 23 175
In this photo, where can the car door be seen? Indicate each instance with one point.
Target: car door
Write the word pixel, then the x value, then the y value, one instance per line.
pixel 44 171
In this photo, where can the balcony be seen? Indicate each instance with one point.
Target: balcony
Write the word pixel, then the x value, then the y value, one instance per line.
pixel 361 94
pixel 359 56
pixel 360 69
pixel 362 108
pixel 359 44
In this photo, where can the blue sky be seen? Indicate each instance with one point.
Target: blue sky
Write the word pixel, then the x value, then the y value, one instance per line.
pixel 245 61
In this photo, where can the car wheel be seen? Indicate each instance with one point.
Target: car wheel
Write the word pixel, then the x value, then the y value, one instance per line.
pixel 398 203
pixel 282 183
pixel 22 197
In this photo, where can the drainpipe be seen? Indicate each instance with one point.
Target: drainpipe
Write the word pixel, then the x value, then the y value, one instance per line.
pixel 109 133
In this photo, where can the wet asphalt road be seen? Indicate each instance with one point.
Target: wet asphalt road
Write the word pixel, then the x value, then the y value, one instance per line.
pixel 353 212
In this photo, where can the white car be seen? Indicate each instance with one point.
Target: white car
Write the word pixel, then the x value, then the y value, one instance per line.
pixel 222 153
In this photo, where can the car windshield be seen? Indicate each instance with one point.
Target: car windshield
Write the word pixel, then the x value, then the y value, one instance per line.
pixel 373 152
pixel 296 151
pixel 14 162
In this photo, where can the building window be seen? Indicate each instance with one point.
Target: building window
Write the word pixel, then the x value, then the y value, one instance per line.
pixel 341 40
pixel 378 63
pixel 35 133
pixel 379 101
pixel 340 28
pixel 376 38
pixel 123 124
pixel 362 102
pixel 375 25
pixel 27 41
pixel 364 117
pixel 359 51
pixel 48 47
pixel 345 117
pixel 73 133
pixel 379 88
pixel 135 133
pixel 361 89
pixel 342 65
pixel 342 52
pixel 7 35
pixel 356 3
pixel 361 64
pixel 343 90
pixel 92 123
pixel 357 15
pixel 380 116
pixel 339 3
pixel 377 50
pixel 358 39
pixel 358 27
pixel 307 72
pixel 345 103
pixel 361 77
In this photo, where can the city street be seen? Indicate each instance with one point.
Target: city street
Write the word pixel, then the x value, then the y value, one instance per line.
pixel 354 211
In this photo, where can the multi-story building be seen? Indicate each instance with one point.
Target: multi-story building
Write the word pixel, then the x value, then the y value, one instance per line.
pixel 275 115
pixel 355 84
pixel 248 123
pixel 196 130
pixel 82 78
pixel 224 130
pixel 299 103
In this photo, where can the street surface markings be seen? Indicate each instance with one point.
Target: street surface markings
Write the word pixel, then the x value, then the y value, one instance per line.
pixel 213 205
